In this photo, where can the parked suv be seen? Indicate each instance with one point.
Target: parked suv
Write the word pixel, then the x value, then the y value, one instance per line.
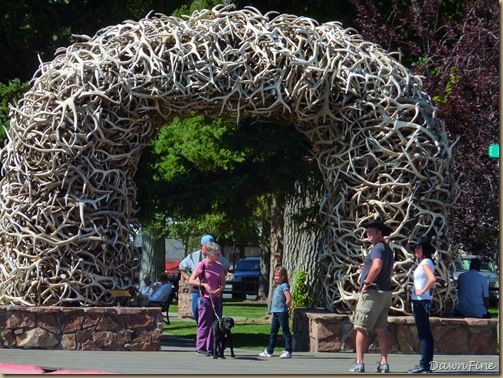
pixel 246 277
pixel 487 270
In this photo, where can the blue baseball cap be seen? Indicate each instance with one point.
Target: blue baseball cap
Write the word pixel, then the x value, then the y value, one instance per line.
pixel 206 239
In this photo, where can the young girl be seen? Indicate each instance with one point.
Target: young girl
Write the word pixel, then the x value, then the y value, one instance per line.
pixel 281 301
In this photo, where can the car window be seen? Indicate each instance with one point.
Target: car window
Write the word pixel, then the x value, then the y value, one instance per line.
pixel 486 266
pixel 248 265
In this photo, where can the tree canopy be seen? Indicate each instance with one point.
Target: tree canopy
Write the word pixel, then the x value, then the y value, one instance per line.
pixel 37 28
pixel 209 166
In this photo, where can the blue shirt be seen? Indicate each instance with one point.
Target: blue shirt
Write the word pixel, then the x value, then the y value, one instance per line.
pixel 162 293
pixel 278 303
pixel 473 287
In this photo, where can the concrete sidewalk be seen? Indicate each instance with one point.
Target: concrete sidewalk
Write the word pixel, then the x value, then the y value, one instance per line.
pixel 178 357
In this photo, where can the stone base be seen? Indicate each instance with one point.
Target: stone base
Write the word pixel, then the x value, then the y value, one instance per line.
pixel 317 330
pixel 81 328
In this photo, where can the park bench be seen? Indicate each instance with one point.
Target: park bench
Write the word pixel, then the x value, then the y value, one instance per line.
pixel 164 305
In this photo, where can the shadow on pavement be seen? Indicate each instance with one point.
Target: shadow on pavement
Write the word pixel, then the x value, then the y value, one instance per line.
pixel 175 341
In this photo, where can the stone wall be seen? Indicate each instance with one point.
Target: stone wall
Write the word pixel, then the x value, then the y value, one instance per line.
pixel 81 328
pixel 317 330
pixel 184 300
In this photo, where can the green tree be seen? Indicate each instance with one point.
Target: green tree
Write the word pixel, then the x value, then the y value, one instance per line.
pixel 9 95
pixel 34 29
pixel 229 178
pixel 207 166
pixel 196 5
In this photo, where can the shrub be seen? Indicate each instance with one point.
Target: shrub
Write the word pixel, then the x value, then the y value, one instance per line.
pixel 299 291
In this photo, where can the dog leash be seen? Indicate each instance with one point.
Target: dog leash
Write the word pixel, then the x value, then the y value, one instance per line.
pixel 214 310
pixel 211 296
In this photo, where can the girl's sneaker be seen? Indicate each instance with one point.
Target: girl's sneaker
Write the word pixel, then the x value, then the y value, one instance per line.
pixel 285 354
pixel 265 354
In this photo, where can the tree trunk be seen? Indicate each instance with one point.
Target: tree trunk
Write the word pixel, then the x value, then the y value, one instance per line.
pixel 302 242
pixel 276 241
pixel 265 268
pixel 153 256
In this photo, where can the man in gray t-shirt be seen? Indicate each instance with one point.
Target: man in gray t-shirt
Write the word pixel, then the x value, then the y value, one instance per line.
pixel 374 298
pixel 382 281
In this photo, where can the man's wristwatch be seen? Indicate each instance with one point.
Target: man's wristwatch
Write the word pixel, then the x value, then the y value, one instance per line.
pixel 367 283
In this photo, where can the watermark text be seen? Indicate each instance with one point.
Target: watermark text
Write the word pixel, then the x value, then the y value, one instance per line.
pixel 463 366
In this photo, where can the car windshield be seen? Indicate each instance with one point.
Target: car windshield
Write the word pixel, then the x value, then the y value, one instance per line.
pixel 248 265
pixel 485 266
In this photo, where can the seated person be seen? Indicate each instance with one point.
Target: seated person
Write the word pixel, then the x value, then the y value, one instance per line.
pixel 146 288
pixel 161 291
pixel 473 293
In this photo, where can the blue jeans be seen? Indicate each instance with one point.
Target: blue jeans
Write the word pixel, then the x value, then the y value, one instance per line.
pixel 421 310
pixel 195 312
pixel 280 319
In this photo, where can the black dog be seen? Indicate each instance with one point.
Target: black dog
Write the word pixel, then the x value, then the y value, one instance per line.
pixel 221 331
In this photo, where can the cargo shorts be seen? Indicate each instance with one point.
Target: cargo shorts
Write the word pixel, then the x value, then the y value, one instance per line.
pixel 372 309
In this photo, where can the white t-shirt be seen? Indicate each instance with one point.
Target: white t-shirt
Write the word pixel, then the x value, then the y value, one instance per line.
pixel 145 290
pixel 421 279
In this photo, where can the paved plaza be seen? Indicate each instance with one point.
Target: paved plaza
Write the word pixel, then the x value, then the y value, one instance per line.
pixel 178 357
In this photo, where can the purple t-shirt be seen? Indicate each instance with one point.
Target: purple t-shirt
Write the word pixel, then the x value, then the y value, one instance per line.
pixel 213 274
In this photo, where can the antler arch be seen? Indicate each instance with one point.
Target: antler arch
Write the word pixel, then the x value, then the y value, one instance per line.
pixel 68 195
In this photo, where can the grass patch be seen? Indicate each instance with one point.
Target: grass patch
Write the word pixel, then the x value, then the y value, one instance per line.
pixel 185 329
pixel 245 334
pixel 494 311
pixel 238 309
pixel 245 310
